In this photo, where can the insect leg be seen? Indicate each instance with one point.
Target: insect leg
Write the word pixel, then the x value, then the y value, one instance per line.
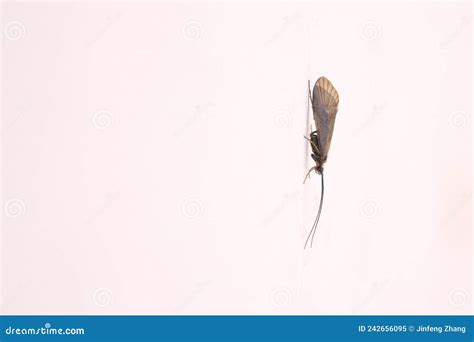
pixel 308 173
pixel 309 91
pixel 312 143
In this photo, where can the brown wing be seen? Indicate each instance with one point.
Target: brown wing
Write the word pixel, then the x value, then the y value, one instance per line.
pixel 325 103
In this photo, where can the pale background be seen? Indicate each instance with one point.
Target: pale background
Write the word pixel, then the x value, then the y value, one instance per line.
pixel 153 158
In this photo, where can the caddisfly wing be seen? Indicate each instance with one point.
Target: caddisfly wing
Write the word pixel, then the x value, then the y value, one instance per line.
pixel 325 104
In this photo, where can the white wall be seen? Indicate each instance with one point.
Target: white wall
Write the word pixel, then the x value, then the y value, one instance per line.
pixel 152 159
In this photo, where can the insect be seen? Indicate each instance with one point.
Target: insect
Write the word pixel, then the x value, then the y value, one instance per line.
pixel 325 102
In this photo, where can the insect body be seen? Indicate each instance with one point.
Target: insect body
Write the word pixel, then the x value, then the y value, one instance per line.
pixel 325 102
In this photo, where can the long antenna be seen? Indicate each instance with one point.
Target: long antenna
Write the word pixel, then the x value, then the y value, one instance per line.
pixel 315 224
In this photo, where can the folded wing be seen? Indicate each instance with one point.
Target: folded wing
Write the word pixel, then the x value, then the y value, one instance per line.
pixel 325 105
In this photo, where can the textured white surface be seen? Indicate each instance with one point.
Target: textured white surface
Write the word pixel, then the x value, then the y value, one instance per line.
pixel 152 159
